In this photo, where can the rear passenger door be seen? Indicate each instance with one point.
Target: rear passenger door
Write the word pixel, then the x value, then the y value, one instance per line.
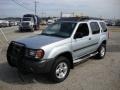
pixel 95 35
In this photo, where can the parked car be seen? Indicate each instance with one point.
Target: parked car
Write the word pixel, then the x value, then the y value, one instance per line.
pixel 11 23
pixel 117 23
pixel 59 47
pixel 0 23
pixel 109 22
pixel 50 21
pixel 43 22
pixel 4 23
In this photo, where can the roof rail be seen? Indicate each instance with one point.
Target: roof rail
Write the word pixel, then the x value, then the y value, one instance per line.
pixel 82 18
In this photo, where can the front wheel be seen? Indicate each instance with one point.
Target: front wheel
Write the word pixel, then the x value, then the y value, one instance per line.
pixel 32 29
pixel 60 70
pixel 101 52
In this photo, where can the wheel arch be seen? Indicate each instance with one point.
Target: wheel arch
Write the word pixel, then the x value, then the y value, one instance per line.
pixel 68 55
pixel 104 42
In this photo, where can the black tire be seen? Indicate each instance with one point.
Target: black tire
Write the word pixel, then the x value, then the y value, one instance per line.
pixel 101 52
pixel 32 30
pixel 10 62
pixel 53 73
pixel 20 30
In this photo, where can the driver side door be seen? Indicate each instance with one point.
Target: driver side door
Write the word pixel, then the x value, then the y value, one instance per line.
pixel 81 41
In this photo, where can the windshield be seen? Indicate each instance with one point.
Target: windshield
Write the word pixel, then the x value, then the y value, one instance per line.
pixel 26 19
pixel 63 29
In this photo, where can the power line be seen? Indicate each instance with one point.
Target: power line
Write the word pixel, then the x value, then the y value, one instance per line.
pixel 15 1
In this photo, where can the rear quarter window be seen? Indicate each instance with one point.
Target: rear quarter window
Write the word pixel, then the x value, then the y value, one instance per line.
pixel 104 28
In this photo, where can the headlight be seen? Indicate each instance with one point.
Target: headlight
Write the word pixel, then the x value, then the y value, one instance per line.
pixel 31 24
pixel 38 54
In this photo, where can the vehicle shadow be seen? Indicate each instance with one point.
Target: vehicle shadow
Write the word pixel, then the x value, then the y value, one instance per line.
pixel 12 76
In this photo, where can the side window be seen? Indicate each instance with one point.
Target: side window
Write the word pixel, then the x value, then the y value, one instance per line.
pixel 95 27
pixel 104 28
pixel 82 31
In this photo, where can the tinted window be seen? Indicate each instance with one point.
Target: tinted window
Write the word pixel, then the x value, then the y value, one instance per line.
pixel 104 28
pixel 95 27
pixel 82 30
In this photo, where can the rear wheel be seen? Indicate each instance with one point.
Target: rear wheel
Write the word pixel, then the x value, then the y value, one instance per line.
pixel 101 52
pixel 60 70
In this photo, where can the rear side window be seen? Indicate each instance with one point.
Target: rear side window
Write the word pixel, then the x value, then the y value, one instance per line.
pixel 95 27
pixel 104 28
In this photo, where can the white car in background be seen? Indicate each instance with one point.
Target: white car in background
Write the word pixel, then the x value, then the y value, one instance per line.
pixel 50 21
pixel 4 23
pixel 0 23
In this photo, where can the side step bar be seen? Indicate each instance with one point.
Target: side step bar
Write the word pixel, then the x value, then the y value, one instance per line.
pixel 84 58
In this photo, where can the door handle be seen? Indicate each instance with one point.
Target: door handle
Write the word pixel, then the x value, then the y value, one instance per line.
pixel 90 38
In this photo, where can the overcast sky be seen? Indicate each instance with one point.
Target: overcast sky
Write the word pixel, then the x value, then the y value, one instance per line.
pixel 96 8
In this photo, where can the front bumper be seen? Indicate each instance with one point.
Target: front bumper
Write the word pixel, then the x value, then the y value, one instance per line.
pixel 43 66
pixel 25 28
pixel 16 58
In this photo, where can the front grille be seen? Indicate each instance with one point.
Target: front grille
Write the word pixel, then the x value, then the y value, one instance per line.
pixel 16 52
pixel 25 24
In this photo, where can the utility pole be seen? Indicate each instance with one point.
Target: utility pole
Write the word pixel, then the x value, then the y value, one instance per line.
pixel 35 7
pixel 73 14
pixel 61 14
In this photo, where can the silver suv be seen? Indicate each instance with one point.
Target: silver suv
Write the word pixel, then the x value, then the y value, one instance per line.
pixel 59 47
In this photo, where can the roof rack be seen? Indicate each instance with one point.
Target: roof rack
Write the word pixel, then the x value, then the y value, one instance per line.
pixel 82 18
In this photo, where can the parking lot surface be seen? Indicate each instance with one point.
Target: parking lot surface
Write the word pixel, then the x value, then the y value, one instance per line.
pixel 90 75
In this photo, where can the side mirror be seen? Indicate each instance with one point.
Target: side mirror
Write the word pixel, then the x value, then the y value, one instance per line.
pixel 78 35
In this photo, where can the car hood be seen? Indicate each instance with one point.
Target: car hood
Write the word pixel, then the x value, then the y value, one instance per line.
pixel 35 42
